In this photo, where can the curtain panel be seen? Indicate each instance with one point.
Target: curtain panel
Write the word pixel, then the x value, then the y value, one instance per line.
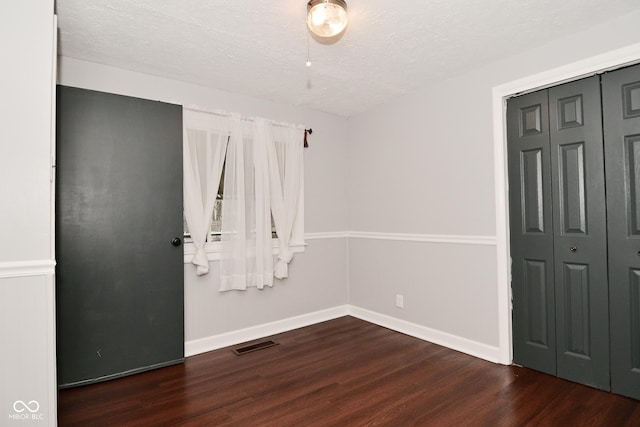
pixel 204 145
pixel 263 181
pixel 286 178
pixel 247 259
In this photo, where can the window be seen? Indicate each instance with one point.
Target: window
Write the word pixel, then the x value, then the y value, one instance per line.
pixel 243 180
pixel 216 218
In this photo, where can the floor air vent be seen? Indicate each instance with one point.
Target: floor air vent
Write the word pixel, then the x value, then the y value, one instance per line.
pixel 254 347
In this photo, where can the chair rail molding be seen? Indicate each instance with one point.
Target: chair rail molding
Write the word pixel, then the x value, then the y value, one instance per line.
pixel 426 238
pixel 43 267
pixel 326 235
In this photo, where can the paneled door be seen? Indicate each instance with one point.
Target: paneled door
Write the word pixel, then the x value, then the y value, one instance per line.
pixel 621 102
pixel 580 241
pixel 558 232
pixel 119 274
pixel 531 222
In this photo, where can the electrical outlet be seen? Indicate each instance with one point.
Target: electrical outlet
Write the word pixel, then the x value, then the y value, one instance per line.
pixel 399 301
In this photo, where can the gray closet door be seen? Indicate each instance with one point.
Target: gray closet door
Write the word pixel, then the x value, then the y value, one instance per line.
pixel 621 101
pixel 532 265
pixel 119 278
pixel 579 224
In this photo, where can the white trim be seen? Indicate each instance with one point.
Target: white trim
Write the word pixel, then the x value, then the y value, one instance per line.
pixel 45 267
pixel 427 238
pixel 597 64
pixel 52 138
pixel 454 342
pixel 214 250
pixel 347 249
pixel 464 345
pixel 227 339
pixel 327 235
pixel 51 372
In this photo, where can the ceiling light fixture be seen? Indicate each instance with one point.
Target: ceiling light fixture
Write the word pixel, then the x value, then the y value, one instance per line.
pixel 327 18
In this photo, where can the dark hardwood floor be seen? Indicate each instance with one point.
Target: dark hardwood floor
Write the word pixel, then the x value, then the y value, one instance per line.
pixel 345 372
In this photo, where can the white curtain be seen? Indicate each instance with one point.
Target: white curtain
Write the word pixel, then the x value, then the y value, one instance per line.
pixel 204 145
pixel 286 178
pixel 247 258
pixel 263 164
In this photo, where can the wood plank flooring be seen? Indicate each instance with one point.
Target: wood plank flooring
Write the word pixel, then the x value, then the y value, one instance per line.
pixel 344 372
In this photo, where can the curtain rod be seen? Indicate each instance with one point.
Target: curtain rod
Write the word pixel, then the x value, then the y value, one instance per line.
pixel 249 119
pixel 246 119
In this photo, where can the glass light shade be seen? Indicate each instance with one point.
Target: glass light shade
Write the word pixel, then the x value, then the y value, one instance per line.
pixel 327 18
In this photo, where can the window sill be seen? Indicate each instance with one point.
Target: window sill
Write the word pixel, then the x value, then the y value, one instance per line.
pixel 214 250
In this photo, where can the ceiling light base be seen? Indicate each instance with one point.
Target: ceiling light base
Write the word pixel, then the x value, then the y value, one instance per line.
pixel 327 18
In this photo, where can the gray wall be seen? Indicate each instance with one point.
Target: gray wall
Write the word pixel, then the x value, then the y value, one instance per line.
pixel 423 165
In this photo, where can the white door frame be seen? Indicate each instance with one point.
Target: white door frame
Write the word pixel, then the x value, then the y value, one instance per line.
pixel 584 68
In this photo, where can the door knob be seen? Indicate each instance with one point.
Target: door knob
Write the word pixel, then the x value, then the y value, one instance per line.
pixel 573 248
pixel 176 241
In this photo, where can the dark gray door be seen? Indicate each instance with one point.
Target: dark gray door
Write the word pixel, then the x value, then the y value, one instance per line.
pixel 530 217
pixel 621 103
pixel 579 223
pixel 119 278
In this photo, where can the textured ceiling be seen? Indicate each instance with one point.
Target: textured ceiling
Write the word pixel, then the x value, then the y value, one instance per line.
pixel 259 47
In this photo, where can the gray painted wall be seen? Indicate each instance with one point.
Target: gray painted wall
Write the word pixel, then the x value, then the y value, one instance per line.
pixel 439 141
pixel 317 281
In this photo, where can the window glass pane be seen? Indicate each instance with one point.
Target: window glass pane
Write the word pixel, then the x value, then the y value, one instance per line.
pixel 216 218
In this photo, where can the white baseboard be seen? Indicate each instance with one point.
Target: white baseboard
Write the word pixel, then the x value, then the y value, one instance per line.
pixel 464 345
pixel 227 339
